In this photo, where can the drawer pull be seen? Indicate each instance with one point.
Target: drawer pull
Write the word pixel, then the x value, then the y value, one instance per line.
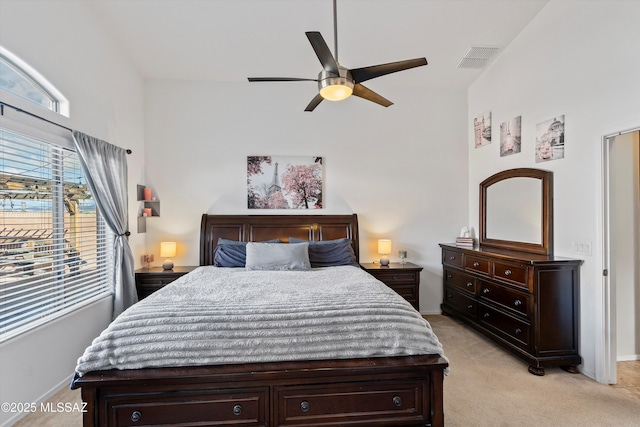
pixel 135 416
pixel 517 303
pixel 397 401
pixel 452 258
pixel 449 276
pixel 237 410
pixel 486 315
pixel 470 306
pixel 304 406
pixel 476 264
pixel 449 295
pixel 469 284
pixel 518 331
pixel 507 272
pixel 486 290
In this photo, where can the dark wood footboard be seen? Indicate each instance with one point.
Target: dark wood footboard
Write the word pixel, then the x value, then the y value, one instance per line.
pixel 394 391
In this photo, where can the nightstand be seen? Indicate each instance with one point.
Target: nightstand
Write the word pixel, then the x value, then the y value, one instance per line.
pixel 149 280
pixel 402 278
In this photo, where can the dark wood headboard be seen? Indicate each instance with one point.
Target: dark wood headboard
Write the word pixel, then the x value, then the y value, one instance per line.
pixel 256 228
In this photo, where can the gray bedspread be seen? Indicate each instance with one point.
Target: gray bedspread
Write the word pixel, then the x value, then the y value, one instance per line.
pixel 228 315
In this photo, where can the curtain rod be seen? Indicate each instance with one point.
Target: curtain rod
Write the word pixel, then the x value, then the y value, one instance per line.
pixel 20 110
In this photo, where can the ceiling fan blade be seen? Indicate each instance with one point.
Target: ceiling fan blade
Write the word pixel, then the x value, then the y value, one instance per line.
pixel 366 73
pixel 280 79
pixel 314 103
pixel 322 50
pixel 366 93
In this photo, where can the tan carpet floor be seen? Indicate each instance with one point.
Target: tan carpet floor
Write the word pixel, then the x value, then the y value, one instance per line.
pixel 489 387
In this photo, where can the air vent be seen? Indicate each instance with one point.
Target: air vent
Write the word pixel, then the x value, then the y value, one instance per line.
pixel 477 56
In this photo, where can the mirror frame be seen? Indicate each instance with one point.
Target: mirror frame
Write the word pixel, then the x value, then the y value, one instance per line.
pixel 546 178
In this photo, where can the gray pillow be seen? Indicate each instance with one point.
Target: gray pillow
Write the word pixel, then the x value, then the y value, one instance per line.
pixel 330 253
pixel 275 256
pixel 232 253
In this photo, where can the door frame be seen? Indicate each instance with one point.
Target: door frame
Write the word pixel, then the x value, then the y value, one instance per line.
pixel 606 351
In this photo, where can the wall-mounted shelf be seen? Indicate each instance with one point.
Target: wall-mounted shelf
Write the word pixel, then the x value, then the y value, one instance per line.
pixel 154 205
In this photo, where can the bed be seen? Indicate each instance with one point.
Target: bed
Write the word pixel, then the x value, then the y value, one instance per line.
pixel 274 388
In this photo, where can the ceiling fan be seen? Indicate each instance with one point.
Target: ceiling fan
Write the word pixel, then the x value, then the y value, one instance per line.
pixel 336 82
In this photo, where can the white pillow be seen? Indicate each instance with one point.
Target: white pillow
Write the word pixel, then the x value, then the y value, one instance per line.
pixel 278 256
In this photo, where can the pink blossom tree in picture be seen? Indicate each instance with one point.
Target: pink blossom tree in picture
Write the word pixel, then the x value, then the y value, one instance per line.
pixel 284 182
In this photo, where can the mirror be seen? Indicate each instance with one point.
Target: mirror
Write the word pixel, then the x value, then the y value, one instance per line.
pixel 516 211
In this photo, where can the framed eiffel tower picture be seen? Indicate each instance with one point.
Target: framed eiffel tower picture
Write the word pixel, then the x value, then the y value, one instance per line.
pixel 284 182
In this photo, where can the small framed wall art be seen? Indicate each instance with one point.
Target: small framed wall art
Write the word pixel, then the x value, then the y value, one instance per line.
pixel 510 136
pixel 550 139
pixel 482 129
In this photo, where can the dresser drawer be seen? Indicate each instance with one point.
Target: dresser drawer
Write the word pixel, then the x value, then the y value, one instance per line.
pixel 479 265
pixel 340 404
pixel 151 280
pixel 392 277
pixel 238 409
pixel 509 328
pixel 508 298
pixel 461 303
pixel 512 273
pixel 459 280
pixel 453 258
pixel 408 292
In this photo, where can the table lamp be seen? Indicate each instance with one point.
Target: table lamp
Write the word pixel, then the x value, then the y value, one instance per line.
pixel 384 248
pixel 167 250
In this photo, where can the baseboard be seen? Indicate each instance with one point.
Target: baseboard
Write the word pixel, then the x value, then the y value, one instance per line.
pixel 430 312
pixel 628 358
pixel 43 398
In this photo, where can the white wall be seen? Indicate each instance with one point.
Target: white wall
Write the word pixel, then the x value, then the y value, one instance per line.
pixel 64 42
pixel 401 169
pixel 580 59
pixel 625 239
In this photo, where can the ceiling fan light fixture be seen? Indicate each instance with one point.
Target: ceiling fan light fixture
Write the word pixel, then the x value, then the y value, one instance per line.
pixel 335 88
pixel 337 92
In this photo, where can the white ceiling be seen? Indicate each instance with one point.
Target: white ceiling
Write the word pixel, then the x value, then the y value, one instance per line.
pixel 230 40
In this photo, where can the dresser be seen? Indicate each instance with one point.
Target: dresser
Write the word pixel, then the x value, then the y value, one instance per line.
pixel 402 278
pixel 527 303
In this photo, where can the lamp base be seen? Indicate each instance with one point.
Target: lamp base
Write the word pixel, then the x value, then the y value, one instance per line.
pixel 384 260
pixel 167 264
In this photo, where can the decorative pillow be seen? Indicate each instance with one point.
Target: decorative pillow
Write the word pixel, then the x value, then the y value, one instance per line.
pixel 329 253
pixel 232 253
pixel 274 256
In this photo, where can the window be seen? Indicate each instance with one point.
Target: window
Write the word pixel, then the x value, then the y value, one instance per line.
pixel 55 250
pixel 19 78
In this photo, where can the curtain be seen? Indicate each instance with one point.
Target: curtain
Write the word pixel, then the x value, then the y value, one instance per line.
pixel 105 167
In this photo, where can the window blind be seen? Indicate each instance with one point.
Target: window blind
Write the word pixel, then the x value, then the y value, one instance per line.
pixel 55 250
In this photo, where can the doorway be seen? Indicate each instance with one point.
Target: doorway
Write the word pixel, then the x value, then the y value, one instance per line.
pixel 622 253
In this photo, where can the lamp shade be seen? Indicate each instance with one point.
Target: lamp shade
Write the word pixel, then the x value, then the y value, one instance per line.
pixel 384 246
pixel 167 249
